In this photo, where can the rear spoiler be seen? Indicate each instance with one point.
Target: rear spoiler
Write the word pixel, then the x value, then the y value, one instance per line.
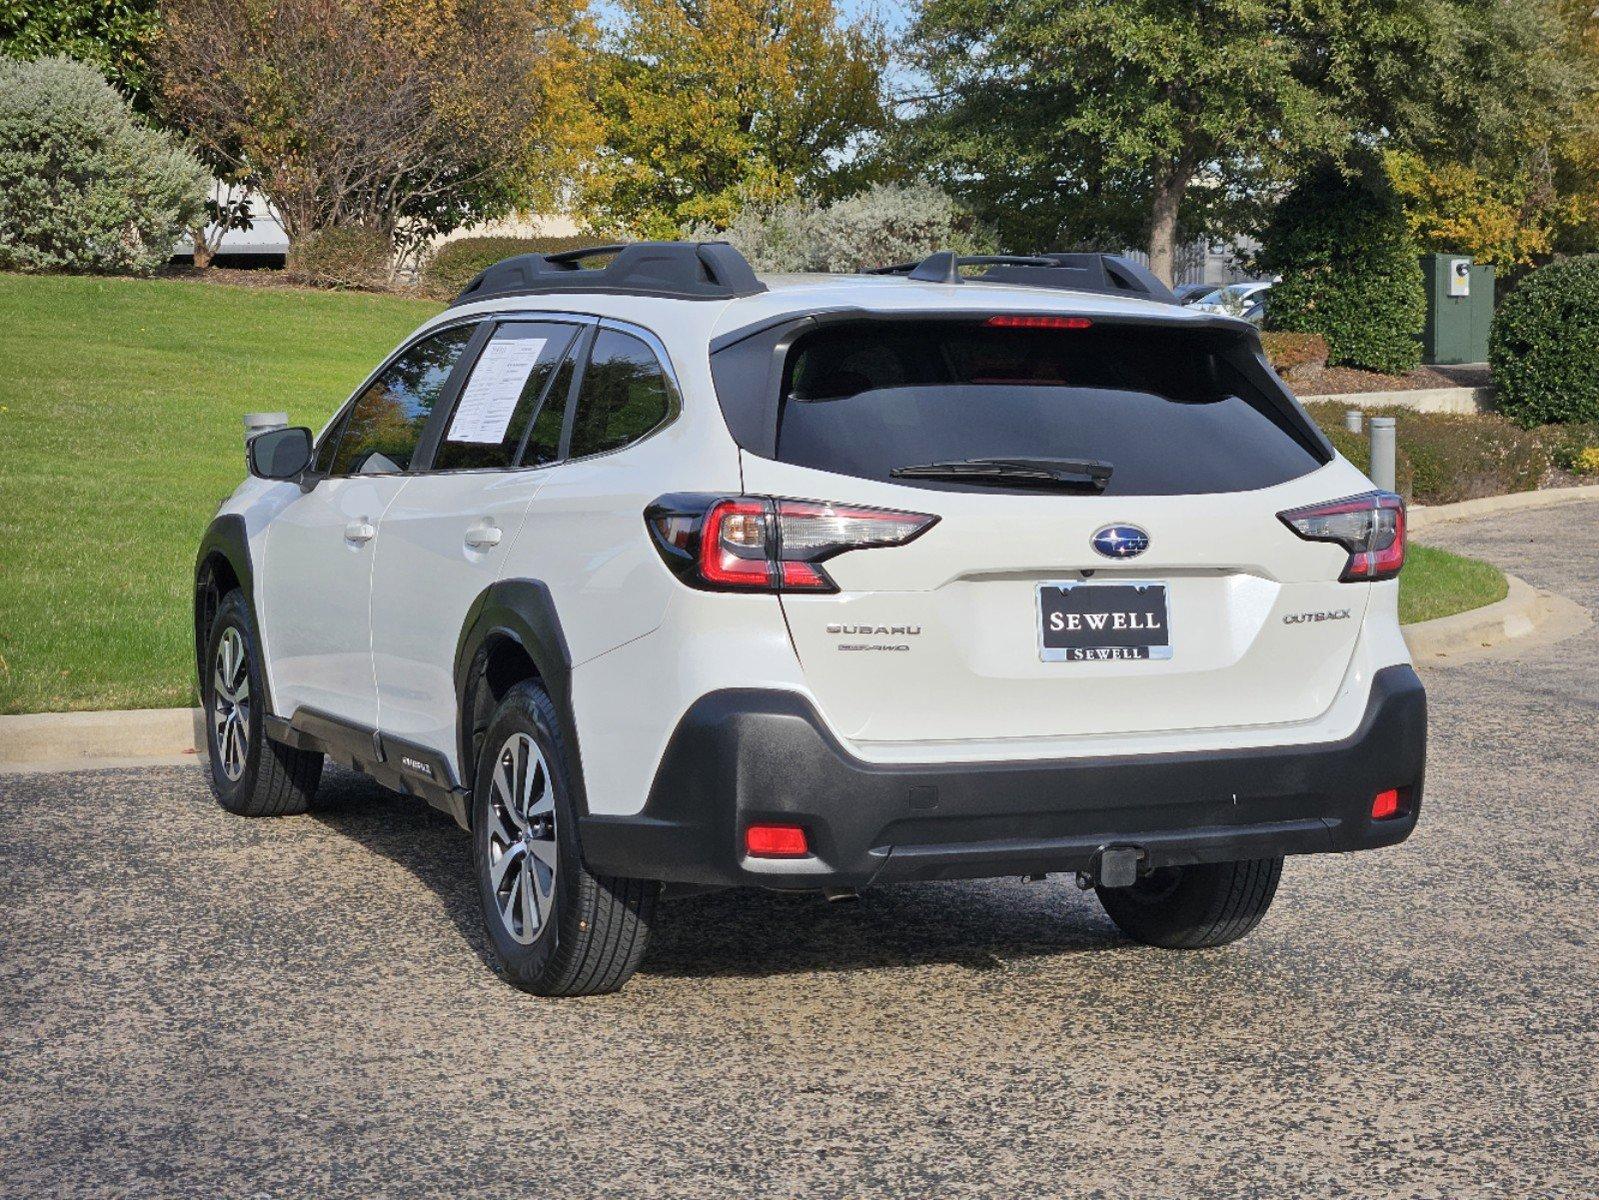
pixel 1103 273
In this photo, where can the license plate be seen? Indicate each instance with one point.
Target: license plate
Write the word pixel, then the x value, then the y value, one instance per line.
pixel 1102 622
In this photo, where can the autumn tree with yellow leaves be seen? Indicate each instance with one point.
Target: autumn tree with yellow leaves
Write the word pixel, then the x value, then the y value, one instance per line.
pixel 709 105
pixel 1535 196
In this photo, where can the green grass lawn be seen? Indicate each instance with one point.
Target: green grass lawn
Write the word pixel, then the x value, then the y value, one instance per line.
pixel 120 431
pixel 120 407
pixel 1436 583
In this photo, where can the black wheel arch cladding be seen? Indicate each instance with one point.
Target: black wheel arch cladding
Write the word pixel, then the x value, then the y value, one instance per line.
pixel 513 619
pixel 222 564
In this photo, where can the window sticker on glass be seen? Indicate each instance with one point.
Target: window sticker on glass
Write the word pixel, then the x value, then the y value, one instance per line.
pixel 489 399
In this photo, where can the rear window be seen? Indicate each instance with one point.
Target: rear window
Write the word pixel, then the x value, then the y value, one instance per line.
pixel 1173 411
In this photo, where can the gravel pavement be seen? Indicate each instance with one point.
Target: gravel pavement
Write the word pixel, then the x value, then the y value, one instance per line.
pixel 193 1004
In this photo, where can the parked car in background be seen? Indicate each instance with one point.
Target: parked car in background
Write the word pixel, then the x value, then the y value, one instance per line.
pixel 1191 293
pixel 1236 299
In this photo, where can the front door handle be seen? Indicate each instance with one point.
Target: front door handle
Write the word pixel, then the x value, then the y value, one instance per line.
pixel 481 537
pixel 359 531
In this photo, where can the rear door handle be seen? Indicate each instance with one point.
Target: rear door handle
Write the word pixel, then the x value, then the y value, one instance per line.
pixel 481 537
pixel 359 531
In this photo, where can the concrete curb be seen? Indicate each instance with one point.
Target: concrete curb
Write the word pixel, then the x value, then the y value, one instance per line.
pixel 1462 400
pixel 1526 613
pixel 75 740
pixel 1421 517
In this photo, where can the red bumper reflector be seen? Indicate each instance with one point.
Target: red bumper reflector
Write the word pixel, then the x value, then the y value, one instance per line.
pixel 1385 805
pixel 775 841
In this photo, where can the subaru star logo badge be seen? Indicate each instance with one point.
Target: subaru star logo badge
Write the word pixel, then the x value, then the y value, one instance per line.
pixel 1120 541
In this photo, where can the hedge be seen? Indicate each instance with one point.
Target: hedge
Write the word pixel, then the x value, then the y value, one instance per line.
pixel 342 257
pixel 1445 457
pixel 1544 347
pixel 1292 353
pixel 452 266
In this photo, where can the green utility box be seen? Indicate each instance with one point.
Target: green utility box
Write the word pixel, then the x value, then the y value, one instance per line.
pixel 1460 309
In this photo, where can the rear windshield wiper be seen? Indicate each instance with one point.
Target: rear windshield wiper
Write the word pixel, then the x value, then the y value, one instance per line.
pixel 1045 472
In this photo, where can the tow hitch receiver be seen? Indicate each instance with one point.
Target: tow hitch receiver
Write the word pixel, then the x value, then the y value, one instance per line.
pixel 1112 867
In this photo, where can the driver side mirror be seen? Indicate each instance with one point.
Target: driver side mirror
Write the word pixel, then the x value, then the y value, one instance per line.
pixel 279 453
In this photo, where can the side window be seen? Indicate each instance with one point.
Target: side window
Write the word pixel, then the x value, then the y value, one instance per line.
pixel 544 442
pixel 501 396
pixel 385 423
pixel 329 445
pixel 624 395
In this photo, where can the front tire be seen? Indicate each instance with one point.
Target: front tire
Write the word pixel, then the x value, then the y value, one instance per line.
pixel 556 928
pixel 250 775
pixel 1190 908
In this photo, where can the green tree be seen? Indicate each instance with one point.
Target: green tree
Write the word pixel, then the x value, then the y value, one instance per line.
pixel 711 104
pixel 1144 120
pixel 113 35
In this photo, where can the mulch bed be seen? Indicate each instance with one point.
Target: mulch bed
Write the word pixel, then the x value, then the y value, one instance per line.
pixel 1345 381
pixel 265 278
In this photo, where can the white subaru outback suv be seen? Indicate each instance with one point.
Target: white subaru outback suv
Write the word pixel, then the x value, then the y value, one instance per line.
pixel 659 576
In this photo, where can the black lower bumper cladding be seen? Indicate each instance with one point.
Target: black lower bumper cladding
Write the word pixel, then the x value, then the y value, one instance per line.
pixel 747 756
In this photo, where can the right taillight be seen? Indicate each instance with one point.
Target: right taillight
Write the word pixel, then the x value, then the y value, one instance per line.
pixel 1371 526
pixel 765 544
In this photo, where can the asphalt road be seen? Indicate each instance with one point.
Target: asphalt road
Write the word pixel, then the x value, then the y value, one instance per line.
pixel 194 1004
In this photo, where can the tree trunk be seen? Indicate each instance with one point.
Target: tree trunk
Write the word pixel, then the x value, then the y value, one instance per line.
pixel 204 252
pixel 1170 186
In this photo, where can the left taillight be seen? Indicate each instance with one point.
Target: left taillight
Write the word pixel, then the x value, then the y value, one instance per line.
pixel 766 544
pixel 1370 526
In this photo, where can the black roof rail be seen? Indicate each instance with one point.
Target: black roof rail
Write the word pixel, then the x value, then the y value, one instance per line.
pixel 1076 272
pixel 675 270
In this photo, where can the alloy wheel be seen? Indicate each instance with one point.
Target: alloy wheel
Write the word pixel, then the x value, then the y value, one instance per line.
pixel 230 703
pixel 522 850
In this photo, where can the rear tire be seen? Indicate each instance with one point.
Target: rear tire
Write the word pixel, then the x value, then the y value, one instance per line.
pixel 1190 908
pixel 557 929
pixel 250 775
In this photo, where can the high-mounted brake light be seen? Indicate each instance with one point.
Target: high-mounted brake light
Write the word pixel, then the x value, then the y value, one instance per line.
pixel 763 544
pixel 1371 526
pixel 1029 321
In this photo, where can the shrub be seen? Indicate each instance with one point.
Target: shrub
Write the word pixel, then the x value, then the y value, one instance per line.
pixel 885 224
pixel 452 266
pixel 1449 456
pixel 1573 448
pixel 84 184
pixel 1544 347
pixel 1349 268
pixel 352 256
pixel 1292 354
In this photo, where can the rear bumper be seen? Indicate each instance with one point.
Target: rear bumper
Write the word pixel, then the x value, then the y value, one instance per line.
pixel 745 756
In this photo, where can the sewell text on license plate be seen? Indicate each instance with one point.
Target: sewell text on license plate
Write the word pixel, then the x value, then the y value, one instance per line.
pixel 1102 622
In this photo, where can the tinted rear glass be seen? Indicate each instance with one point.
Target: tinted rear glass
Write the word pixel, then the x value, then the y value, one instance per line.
pixel 1172 410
